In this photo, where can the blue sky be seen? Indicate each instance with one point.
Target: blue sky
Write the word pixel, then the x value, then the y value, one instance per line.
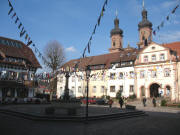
pixel 71 22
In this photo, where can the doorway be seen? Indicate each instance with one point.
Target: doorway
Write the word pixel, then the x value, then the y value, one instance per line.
pixel 154 90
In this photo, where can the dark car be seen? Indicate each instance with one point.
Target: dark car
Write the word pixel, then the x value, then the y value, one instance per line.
pixel 102 101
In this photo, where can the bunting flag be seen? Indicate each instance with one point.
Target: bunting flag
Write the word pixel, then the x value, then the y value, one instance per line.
pixel 167 19
pixel 26 37
pixel 17 19
pixel 22 31
pixel 89 47
pixel 94 30
pixel 20 25
pixel 13 15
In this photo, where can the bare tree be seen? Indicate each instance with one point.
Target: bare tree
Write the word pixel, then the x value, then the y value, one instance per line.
pixel 54 58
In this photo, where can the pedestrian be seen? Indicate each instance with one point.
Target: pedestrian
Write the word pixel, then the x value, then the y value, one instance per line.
pixel 110 102
pixel 121 102
pixel 154 101
pixel 144 101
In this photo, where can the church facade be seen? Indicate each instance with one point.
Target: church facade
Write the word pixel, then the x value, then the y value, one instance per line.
pixel 152 70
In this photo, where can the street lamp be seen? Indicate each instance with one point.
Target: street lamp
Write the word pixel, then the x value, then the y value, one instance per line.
pixel 88 72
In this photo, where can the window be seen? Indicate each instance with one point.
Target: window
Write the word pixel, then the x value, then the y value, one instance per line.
pixel 145 59
pixel 121 88
pixel 79 89
pixel 131 74
pixel 168 92
pixel 154 74
pixel 72 88
pixel 114 44
pixel 142 74
pixel 112 76
pixel 153 48
pixel 121 75
pixel 167 72
pixel 61 79
pixel 153 58
pixel 112 88
pixel 73 78
pixel 102 89
pixel 162 57
pixel 94 89
pixel 131 88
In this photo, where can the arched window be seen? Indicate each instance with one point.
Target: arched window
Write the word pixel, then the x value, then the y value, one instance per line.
pixel 168 90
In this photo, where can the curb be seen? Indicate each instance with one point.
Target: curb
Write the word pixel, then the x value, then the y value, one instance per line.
pixel 74 118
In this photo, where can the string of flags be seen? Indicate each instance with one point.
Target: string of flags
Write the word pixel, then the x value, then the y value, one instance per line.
pixel 23 32
pixel 166 19
pixel 95 27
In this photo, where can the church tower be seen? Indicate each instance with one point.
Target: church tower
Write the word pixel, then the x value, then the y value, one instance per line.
pixel 145 30
pixel 116 37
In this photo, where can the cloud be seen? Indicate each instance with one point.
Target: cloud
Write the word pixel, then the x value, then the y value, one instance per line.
pixel 70 49
pixel 168 4
pixel 170 36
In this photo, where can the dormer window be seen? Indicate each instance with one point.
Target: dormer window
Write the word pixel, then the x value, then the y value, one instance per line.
pixel 153 58
pixel 162 57
pixel 145 59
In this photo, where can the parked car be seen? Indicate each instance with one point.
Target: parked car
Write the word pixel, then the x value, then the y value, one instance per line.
pixel 102 101
pixel 90 100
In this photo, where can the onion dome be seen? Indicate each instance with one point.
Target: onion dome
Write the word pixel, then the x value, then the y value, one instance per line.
pixel 116 29
pixel 145 22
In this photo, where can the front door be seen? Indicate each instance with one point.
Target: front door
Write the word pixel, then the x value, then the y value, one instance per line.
pixel 154 90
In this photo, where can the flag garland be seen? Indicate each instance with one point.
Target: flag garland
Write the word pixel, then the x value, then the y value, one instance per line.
pixel 23 32
pixel 94 30
pixel 166 19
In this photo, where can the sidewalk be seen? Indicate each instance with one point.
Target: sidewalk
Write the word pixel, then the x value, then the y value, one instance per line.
pixel 158 108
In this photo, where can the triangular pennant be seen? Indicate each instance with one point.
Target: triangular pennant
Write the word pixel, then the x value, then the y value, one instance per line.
pixel 10 11
pixel 158 27
pixel 106 2
pixel 26 37
pixel 94 29
pixel 20 25
pixel 102 12
pixel 99 19
pixel 162 24
pixel 10 3
pixel 17 19
pixel 29 41
pixel 22 32
pixel 13 15
pixel 175 9
pixel 89 46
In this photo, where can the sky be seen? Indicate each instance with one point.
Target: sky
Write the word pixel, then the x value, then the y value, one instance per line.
pixel 71 22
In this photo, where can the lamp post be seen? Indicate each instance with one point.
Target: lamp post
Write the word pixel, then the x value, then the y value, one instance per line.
pixel 88 72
